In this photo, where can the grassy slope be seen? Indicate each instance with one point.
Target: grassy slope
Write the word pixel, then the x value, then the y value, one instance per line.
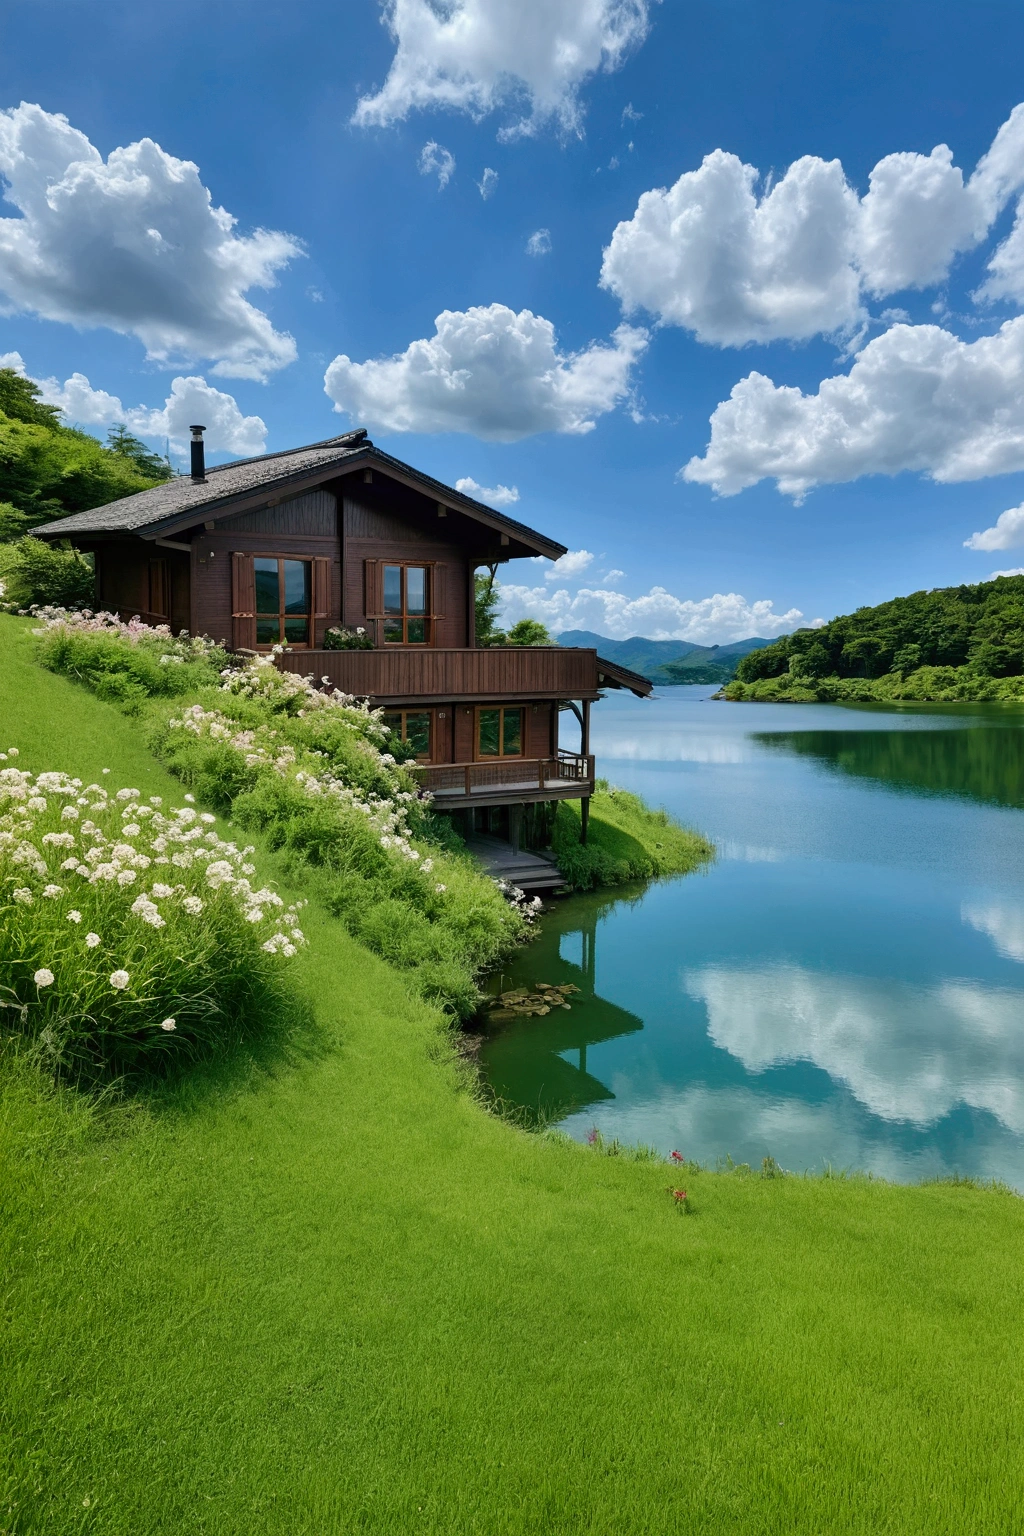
pixel 332 1295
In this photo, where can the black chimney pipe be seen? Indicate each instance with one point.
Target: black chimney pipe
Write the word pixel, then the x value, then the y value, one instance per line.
pixel 198 453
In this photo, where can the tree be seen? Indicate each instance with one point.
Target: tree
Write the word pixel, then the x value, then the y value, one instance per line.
pixel 529 632
pixel 128 446
pixel 20 399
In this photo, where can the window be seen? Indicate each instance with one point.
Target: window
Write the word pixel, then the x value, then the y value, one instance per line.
pixel 283 600
pixel 406 604
pixel 412 726
pixel 499 732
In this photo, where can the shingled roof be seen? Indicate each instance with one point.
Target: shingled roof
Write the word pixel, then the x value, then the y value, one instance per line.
pixel 172 503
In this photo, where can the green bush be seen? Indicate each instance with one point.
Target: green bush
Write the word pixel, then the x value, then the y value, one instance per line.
pixel 36 573
pixel 126 663
pixel 131 936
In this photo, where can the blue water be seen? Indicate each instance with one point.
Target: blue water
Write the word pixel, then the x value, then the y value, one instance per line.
pixel 844 985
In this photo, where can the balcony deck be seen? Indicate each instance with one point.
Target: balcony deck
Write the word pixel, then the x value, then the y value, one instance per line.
pixel 513 781
pixel 403 675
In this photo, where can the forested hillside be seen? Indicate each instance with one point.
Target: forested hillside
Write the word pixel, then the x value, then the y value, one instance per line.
pixel 951 643
pixel 48 470
pixel 667 661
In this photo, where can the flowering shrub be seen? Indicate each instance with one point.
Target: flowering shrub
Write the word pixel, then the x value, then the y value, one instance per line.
pixel 342 638
pixel 314 771
pixel 125 663
pixel 130 933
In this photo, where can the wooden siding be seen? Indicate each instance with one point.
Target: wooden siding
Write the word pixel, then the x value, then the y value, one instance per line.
pixel 122 581
pixel 314 515
pixel 375 533
pixel 513 674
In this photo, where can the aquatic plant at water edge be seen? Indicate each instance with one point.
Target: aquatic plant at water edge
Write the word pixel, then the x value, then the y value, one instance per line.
pixel 130 936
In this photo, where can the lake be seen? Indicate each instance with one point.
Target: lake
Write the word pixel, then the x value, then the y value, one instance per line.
pixel 844 986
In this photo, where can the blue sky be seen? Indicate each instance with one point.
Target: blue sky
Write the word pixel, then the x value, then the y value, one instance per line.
pixel 588 400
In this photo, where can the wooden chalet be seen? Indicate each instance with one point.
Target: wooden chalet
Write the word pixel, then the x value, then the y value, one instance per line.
pixel 275 550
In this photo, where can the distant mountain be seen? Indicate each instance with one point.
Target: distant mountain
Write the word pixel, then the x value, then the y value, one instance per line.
pixel 668 661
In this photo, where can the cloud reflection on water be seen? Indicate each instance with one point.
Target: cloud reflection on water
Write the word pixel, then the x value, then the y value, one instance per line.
pixel 910 1054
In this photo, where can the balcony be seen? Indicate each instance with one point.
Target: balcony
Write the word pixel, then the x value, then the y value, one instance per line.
pixel 434 676
pixel 509 781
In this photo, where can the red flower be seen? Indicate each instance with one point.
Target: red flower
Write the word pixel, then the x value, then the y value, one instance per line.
pixel 679 1194
pixel 677 1157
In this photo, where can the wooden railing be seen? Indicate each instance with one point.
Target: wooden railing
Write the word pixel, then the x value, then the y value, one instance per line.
pixel 402 673
pixel 564 772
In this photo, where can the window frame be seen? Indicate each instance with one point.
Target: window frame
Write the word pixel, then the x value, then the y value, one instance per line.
pixel 428 756
pixel 501 754
pixel 295 645
pixel 426 618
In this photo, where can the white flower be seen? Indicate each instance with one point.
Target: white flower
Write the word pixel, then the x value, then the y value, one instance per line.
pixel 91 940
pixel 43 978
pixel 71 863
pixel 106 770
pixel 205 816
pixel 193 906
pixel 125 794
pixel 288 949
pixel 119 980
pixel 218 872
pixel 156 799
pixel 53 891
pixel 126 877
pixel 24 895
pixel 132 830
pixel 168 1024
pixel 254 915
pixel 163 890
pixel 74 917
pixel 69 813
pixel 12 752
pixel 440 888
pixel 191 799
pixel 427 866
pixel 36 803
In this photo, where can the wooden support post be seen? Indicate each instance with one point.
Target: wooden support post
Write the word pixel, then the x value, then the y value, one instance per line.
pixel 584 817
pixel 540 773
pixel 585 743
pixel 515 825
pixel 469 778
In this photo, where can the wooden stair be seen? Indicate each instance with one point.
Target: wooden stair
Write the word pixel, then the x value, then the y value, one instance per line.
pixel 530 871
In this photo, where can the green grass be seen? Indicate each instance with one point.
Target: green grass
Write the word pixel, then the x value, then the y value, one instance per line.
pixel 324 1292
pixel 626 840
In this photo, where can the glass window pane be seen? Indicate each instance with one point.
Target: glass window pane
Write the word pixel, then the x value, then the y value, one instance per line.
pixel 296 586
pixel 267 599
pixel 268 631
pixel 512 733
pixel 393 631
pixel 392 589
pixel 296 631
pixel 393 721
pixel 490 723
pixel 416 631
pixel 415 589
pixel 417 733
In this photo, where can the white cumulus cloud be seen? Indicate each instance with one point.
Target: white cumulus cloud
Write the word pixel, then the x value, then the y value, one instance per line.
pixel 490 372
pixel 190 400
pixel 133 243
pixel 488 183
pixel 737 260
pixel 479 55
pixel 1018 570
pixel 566 566
pixel 658 615
pixel 917 398
pixel 1006 533
pixel 539 243
pixel 436 160
pixel 495 495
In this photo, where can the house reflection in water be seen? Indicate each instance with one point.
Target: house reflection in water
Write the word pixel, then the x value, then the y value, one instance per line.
pixel 538 1066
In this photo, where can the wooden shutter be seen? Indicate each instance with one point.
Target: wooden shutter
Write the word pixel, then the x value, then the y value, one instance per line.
pixel 159 606
pixel 374 588
pixel 321 597
pixel 438 591
pixel 243 603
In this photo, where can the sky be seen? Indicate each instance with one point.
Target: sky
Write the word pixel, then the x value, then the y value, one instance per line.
pixel 728 298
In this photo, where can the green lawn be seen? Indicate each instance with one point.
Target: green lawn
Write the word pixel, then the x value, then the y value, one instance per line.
pixel 328 1293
